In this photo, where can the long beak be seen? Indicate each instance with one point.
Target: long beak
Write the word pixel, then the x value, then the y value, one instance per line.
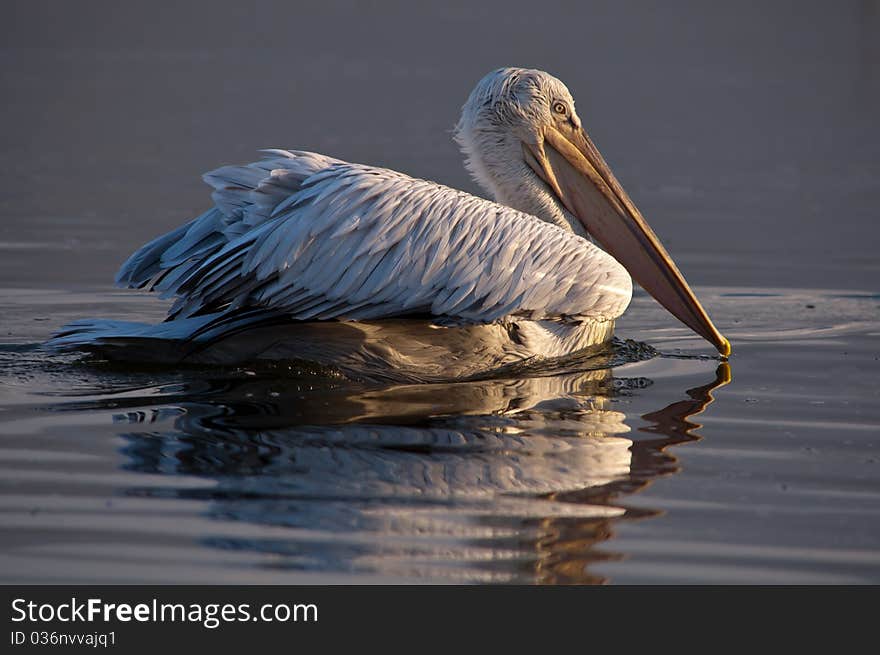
pixel 573 168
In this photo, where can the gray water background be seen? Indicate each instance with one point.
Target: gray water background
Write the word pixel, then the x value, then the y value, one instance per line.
pixel 747 134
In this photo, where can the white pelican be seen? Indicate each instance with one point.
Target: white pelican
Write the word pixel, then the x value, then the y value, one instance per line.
pixel 306 256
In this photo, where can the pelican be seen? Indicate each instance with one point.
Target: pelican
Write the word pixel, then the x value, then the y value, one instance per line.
pixel 304 256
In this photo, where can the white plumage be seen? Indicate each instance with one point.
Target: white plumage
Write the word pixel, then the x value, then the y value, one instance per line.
pixel 321 239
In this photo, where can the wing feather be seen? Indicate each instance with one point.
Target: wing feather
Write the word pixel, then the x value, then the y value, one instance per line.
pixel 317 238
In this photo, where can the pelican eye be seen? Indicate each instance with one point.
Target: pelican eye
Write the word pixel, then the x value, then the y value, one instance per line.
pixel 560 108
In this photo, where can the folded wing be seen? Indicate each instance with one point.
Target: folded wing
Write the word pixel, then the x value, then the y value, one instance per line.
pixel 318 238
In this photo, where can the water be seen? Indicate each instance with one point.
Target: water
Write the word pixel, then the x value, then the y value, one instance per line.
pixel 748 137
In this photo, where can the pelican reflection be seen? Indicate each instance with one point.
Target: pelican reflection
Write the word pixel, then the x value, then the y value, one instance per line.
pixel 496 480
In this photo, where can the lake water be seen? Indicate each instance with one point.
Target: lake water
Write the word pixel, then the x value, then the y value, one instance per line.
pixel 748 136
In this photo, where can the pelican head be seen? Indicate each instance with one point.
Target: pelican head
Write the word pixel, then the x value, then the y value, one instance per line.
pixel 524 143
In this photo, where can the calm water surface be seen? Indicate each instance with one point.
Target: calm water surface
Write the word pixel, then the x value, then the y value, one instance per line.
pixel 747 136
